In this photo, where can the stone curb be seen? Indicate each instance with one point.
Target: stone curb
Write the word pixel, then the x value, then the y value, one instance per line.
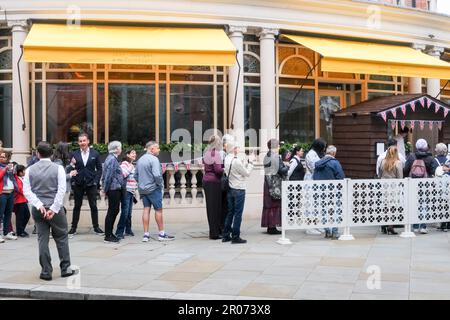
pixel 49 292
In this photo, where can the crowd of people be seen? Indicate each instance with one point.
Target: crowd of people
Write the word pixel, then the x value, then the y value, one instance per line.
pixel 51 175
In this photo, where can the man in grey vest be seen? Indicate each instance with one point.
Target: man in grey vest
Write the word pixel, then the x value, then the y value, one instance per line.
pixel 44 186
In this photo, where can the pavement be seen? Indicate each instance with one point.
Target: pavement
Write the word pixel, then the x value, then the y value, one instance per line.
pixel 373 266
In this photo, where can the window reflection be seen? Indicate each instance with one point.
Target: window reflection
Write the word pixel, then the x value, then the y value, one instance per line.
pixel 69 111
pixel 189 103
pixel 132 113
pixel 297 124
pixel 6 115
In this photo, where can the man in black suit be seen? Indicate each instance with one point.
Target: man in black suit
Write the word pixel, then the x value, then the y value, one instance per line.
pixel 85 179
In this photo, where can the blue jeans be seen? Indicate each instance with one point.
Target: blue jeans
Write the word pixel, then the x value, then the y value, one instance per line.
pixel 236 200
pixel 6 208
pixel 125 214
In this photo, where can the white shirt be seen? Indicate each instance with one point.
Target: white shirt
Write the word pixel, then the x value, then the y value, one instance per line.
pixel 238 173
pixel 34 200
pixel 85 156
pixel 292 165
pixel 311 158
pixel 9 185
pixel 382 156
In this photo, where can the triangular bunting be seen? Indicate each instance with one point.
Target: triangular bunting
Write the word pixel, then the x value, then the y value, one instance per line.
pixel 421 124
pixel 394 112
pixel 440 125
pixel 402 124
pixel 413 106
pixel 393 123
pixel 422 102
pixel 383 115
pixel 413 124
pixel 403 107
pixel 430 125
pixel 445 112
pixel 436 108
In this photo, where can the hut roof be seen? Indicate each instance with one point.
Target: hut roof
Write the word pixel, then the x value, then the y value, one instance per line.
pixel 385 103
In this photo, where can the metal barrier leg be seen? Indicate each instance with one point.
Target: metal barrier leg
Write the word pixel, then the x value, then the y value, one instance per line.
pixel 346 236
pixel 283 239
pixel 407 233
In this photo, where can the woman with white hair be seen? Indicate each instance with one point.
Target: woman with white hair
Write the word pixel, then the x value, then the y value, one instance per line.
pixel 113 186
pixel 238 170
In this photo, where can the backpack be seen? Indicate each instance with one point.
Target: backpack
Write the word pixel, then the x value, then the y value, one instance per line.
pixel 418 169
pixel 439 172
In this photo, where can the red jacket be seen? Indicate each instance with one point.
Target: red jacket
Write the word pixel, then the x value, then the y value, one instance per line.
pixel 19 196
pixel 2 174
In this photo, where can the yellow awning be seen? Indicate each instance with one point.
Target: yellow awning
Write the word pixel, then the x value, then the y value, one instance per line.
pixel 128 45
pixel 373 58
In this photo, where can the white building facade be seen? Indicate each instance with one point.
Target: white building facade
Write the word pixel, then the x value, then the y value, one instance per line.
pixel 134 103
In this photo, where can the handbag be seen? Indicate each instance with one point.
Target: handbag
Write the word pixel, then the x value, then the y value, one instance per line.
pixel 224 181
pixel 274 184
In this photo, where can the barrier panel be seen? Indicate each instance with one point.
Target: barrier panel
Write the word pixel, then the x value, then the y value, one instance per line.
pixel 429 200
pixel 377 202
pixel 363 202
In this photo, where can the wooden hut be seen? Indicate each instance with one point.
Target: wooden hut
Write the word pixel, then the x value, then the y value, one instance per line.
pixel 358 129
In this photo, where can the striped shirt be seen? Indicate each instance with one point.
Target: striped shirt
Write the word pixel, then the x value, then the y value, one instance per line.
pixel 128 170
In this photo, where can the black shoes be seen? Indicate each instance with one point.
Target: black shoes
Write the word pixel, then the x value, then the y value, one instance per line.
pixel 238 240
pixel 68 274
pixel 73 231
pixel 111 239
pixel 98 231
pixel 45 277
pixel 273 231
pixel 390 230
pixel 226 239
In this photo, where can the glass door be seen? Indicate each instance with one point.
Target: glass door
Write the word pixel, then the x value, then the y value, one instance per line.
pixel 330 101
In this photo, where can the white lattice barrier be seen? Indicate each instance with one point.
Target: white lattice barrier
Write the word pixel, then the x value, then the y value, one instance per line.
pixel 429 200
pixel 371 202
pixel 313 204
pixel 377 202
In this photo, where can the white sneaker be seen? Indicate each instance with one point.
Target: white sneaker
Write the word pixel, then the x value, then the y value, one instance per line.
pixel 415 230
pixel 2 240
pixel 10 236
pixel 423 231
pixel 313 232
pixel 145 238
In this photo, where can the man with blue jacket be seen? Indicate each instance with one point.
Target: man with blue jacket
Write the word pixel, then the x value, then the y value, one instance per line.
pixel 329 168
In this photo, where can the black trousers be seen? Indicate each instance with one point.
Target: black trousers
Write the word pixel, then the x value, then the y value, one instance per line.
pixel 78 193
pixel 214 208
pixel 22 217
pixel 114 197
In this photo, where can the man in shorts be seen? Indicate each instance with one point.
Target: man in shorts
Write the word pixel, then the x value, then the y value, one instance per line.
pixel 150 185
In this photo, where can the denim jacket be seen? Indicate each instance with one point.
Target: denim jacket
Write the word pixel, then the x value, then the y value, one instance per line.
pixel 112 178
